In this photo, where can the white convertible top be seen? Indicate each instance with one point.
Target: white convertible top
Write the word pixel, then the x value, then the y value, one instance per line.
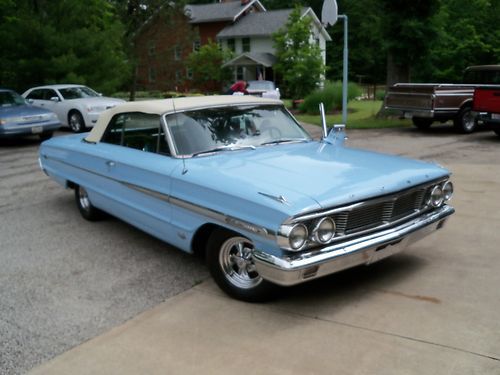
pixel 162 106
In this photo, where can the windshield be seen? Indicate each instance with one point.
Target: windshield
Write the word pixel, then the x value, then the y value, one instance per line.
pixel 230 128
pixel 11 99
pixel 77 93
pixel 260 86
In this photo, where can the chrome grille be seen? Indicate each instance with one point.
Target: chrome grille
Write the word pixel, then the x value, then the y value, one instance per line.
pixel 380 212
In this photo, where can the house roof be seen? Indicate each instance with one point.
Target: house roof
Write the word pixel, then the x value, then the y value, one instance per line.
pixel 252 58
pixel 266 24
pixel 229 11
pixel 256 24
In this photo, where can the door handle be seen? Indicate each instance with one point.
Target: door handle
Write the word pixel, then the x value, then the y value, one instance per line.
pixel 110 163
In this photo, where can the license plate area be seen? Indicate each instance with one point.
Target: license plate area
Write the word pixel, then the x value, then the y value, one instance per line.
pixel 495 116
pixel 36 129
pixel 387 250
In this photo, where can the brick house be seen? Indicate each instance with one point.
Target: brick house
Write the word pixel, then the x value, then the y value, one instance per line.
pixel 243 26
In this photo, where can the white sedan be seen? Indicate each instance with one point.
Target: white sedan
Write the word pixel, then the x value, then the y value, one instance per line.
pixel 76 106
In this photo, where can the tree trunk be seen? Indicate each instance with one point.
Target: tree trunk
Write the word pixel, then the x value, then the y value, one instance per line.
pixel 396 72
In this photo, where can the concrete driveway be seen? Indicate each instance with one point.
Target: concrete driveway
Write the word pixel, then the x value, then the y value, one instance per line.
pixel 431 310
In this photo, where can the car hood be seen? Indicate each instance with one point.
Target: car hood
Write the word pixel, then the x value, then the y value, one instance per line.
pixel 308 176
pixel 22 111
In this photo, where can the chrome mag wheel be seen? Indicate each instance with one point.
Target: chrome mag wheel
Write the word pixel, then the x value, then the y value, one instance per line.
pixel 235 259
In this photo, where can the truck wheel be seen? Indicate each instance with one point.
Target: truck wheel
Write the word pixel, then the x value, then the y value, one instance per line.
pixel 229 257
pixel 465 121
pixel 422 123
pixel 497 131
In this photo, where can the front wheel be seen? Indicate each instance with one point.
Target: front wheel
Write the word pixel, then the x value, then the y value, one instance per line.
pixel 230 262
pixel 465 121
pixel 76 122
pixel 87 210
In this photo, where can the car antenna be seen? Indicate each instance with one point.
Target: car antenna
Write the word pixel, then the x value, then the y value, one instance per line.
pixel 184 168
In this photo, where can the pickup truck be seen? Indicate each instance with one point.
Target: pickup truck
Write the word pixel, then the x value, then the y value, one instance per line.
pixel 486 105
pixel 426 103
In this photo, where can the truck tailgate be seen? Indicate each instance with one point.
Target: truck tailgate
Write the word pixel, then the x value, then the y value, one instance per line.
pixel 410 97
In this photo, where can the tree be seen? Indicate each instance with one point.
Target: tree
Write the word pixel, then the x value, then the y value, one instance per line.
pixel 51 42
pixel 299 59
pixel 206 65
pixel 408 29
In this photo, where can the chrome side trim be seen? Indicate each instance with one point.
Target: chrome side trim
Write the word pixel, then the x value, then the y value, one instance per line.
pixel 295 269
pixel 200 210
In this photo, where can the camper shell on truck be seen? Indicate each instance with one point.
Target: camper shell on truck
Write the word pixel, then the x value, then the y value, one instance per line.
pixel 426 103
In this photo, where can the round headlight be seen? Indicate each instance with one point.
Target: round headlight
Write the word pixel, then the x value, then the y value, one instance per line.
pixel 436 199
pixel 447 190
pixel 297 236
pixel 324 230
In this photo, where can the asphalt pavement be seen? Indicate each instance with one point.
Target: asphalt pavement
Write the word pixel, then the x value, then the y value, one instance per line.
pixel 107 299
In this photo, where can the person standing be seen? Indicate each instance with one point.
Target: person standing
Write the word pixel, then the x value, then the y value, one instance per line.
pixel 238 86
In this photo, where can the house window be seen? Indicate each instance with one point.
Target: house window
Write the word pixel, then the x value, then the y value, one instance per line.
pixel 152 49
pixel 177 53
pixel 240 73
pixel 152 74
pixel 178 76
pixel 231 45
pixel 245 44
pixel 196 45
pixel 189 73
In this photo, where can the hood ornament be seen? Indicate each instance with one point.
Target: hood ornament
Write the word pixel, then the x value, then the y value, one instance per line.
pixel 280 198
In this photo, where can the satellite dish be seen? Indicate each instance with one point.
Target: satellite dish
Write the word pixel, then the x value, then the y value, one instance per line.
pixel 329 13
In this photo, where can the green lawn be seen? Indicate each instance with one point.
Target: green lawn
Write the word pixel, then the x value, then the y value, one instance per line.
pixel 361 115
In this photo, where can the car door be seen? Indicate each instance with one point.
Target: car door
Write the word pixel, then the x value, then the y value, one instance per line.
pixel 46 98
pixel 134 158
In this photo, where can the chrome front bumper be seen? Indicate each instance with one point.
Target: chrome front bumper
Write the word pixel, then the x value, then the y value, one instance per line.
pixel 368 249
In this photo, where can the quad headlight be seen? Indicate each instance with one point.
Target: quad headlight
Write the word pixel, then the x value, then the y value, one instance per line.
pixel 436 198
pixel 297 236
pixel 447 190
pixel 440 194
pixel 324 230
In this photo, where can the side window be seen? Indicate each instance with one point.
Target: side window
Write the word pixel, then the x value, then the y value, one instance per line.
pixel 35 95
pixel 141 131
pixel 48 93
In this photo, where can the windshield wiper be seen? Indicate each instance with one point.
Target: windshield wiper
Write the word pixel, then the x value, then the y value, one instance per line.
pixel 224 148
pixel 284 140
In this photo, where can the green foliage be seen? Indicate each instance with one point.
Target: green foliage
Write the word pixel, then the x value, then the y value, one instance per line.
pixel 61 42
pixel 468 34
pixel 330 96
pixel 298 60
pixel 362 115
pixel 206 65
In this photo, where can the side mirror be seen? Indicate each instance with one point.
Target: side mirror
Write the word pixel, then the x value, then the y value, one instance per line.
pixel 99 93
pixel 30 101
pixel 54 99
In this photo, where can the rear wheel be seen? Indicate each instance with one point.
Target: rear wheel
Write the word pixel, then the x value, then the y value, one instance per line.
pixel 230 262
pixel 76 122
pixel 422 123
pixel 87 210
pixel 465 121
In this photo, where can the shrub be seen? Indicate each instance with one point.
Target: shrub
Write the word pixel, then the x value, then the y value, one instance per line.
pixel 330 96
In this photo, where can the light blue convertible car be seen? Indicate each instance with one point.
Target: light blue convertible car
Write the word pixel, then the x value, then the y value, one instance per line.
pixel 238 180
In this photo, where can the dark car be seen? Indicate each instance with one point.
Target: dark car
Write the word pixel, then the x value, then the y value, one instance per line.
pixel 18 118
